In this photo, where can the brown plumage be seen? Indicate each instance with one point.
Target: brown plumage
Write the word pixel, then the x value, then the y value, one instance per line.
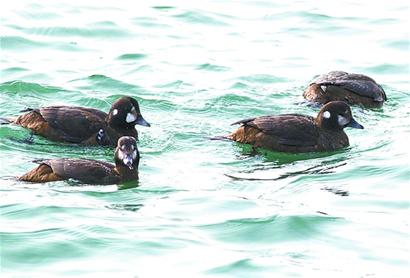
pixel 43 173
pixel 83 125
pixel 299 133
pixel 91 171
pixel 349 87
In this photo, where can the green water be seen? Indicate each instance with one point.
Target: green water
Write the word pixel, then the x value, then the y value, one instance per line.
pixel 207 208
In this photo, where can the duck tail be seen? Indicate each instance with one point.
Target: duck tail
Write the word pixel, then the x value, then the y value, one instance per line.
pixel 39 161
pixel 223 138
pixel 5 121
pixel 28 109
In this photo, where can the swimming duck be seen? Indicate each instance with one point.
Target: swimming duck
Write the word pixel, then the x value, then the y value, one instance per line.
pixel 91 171
pixel 83 125
pixel 350 87
pixel 299 133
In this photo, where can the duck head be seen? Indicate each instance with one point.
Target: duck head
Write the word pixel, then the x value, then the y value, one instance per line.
pixel 125 114
pixel 126 153
pixel 336 115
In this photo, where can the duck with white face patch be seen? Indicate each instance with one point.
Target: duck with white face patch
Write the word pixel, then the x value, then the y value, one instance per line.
pixel 298 133
pixel 91 171
pixel 83 125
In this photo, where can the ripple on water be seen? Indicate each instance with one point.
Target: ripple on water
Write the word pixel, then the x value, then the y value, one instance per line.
pixel 132 56
pixel 34 95
pixel 269 230
pixel 16 42
pixel 22 88
pixel 233 99
pixel 212 67
pixel 14 69
pixel 263 79
pixel 403 45
pixel 386 68
pixel 236 268
pixel 105 84
pixel 199 17
pixel 95 31
pixel 11 43
pixel 163 8
pixel 150 22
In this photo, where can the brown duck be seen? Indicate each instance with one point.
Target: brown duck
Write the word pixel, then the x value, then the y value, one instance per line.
pixel 350 87
pixel 91 171
pixel 82 125
pixel 299 133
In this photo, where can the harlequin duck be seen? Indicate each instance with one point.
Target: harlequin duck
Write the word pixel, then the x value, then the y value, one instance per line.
pixel 83 125
pixel 299 133
pixel 91 171
pixel 350 87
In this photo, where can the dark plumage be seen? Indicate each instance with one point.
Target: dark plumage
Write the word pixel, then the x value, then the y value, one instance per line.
pixel 83 125
pixel 299 133
pixel 91 171
pixel 350 87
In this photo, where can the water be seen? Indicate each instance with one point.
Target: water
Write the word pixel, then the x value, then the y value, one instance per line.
pixel 207 208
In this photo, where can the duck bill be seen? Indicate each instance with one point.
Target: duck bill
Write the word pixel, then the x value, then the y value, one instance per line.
pixel 355 124
pixel 128 161
pixel 141 121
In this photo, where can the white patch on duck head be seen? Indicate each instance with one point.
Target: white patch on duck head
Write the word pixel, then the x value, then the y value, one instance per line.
pixel 114 112
pixel 128 161
pixel 326 114
pixel 342 121
pixel 323 87
pixel 130 118
pixel 121 154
